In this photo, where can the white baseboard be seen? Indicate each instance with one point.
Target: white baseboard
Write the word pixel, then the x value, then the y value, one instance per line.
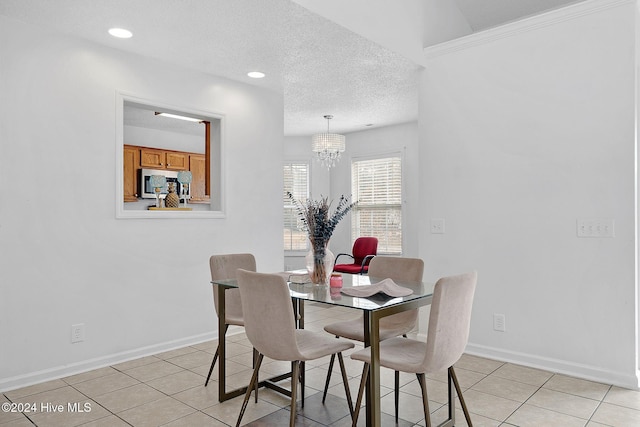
pixel 577 370
pixel 591 373
pixel 37 377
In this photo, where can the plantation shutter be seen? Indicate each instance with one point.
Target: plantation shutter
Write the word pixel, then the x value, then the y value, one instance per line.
pixel 377 187
pixel 296 181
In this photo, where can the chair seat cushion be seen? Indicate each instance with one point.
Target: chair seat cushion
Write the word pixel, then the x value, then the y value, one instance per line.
pixel 313 345
pixel 350 268
pixel 234 320
pixel 399 354
pixel 391 326
pixel 233 308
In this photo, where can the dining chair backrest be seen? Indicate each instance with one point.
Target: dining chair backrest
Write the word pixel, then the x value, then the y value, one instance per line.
pixel 268 315
pixel 449 321
pixel 398 269
pixel 225 267
pixel 408 270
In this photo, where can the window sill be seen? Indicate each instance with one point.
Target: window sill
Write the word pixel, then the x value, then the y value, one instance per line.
pixel 296 253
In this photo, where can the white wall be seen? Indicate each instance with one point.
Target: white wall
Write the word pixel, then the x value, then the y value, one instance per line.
pixel 140 285
pixel 165 139
pixel 523 131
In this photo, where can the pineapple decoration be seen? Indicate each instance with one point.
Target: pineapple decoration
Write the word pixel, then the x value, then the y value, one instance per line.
pixel 172 200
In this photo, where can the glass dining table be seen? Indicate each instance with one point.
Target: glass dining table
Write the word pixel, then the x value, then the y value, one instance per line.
pixel 373 309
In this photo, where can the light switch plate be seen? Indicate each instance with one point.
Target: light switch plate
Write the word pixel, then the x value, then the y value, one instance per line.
pixel 595 227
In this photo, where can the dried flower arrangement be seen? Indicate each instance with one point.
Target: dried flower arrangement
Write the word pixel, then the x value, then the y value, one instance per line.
pixel 315 220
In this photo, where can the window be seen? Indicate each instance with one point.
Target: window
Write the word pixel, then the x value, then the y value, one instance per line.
pixel 377 186
pixel 296 181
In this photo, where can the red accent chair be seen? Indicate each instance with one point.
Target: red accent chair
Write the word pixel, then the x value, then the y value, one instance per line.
pixel 364 248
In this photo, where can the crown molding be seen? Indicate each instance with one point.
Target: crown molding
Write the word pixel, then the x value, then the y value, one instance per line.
pixel 524 25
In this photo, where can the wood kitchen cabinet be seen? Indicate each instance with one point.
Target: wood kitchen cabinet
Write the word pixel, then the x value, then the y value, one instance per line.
pixel 177 161
pixel 136 158
pixel 131 161
pixel 152 158
pixel 197 166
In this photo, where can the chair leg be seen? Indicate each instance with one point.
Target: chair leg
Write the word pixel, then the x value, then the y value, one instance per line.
pixel 345 381
pixel 326 384
pixel 215 357
pixel 396 392
pixel 363 383
pixel 255 358
pixel 294 387
pixel 254 380
pixel 425 399
pixel 302 381
pixel 213 363
pixel 453 376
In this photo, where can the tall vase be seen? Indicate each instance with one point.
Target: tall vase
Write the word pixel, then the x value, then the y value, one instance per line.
pixel 320 263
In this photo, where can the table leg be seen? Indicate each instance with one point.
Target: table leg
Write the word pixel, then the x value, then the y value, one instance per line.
pixel 372 340
pixel 300 322
pixel 374 374
pixel 222 356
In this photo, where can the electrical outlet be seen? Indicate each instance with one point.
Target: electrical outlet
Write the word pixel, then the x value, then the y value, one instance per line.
pixel 499 323
pixel 437 225
pixel 77 333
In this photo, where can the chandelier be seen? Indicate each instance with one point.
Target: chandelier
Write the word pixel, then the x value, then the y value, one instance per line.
pixel 328 146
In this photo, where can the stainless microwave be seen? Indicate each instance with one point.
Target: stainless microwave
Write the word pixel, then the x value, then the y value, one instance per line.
pixel 146 191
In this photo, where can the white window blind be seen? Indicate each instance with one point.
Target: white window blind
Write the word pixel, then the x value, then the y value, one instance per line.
pixel 296 181
pixel 377 186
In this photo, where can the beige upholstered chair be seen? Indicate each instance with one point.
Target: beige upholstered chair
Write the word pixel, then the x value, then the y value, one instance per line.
pixel 270 326
pixel 225 267
pixel 407 270
pixel 448 332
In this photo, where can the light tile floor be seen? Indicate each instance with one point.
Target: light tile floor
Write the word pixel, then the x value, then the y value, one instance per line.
pixel 167 389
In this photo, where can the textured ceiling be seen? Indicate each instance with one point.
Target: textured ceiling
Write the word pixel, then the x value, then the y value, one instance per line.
pixel 319 66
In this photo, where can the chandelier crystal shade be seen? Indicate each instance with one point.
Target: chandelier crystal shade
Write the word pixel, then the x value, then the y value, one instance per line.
pixel 328 146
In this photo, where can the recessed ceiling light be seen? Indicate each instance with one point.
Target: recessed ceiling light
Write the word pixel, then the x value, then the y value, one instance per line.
pixel 369 124
pixel 121 33
pixel 255 74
